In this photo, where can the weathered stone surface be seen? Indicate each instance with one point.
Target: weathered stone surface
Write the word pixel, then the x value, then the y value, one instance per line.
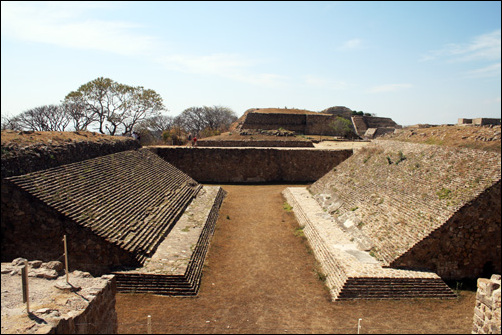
pixel 487 310
pixel 250 165
pixel 422 206
pixel 59 307
pixel 114 209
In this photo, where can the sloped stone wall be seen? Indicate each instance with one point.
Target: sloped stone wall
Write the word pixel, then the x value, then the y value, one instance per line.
pixel 33 230
pixel 397 194
pixel 487 309
pixel 464 246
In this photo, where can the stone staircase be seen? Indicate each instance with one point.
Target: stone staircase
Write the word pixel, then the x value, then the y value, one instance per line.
pixel 360 125
pixel 394 288
pixel 352 273
pixel 176 268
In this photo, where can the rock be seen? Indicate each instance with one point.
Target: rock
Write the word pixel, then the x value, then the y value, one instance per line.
pixel 81 274
pixel 54 265
pixel 43 311
pixel 64 286
pixel 47 274
pixel 35 264
pixel 19 261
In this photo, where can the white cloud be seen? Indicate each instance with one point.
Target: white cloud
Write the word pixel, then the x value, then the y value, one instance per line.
pixel 487 71
pixel 352 44
pixel 232 66
pixel 389 88
pixel 483 47
pixel 66 25
pixel 73 25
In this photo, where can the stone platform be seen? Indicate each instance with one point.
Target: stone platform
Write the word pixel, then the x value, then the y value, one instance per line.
pixel 176 267
pixel 352 273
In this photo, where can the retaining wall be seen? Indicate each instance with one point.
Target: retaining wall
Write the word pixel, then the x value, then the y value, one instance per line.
pixel 487 309
pixel 39 156
pixel 255 143
pixel 84 306
pixel 250 165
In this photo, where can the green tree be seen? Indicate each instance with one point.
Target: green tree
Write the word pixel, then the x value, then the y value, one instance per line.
pixel 114 106
pixel 341 126
pixel 206 120
pixel 42 118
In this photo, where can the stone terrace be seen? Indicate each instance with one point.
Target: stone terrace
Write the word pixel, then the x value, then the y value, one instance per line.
pixel 130 199
pixel 393 195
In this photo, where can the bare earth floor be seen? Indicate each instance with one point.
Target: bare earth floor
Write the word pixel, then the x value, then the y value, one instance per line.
pixel 260 277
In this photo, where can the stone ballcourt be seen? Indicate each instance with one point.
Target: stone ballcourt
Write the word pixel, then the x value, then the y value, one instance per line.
pixel 169 257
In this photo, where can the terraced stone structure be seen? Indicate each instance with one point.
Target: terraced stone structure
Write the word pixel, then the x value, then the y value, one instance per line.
pixel 313 123
pixel 115 209
pixel 422 211
pixel 119 208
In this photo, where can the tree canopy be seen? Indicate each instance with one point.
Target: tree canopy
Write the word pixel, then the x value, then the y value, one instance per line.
pixel 113 106
pixel 206 120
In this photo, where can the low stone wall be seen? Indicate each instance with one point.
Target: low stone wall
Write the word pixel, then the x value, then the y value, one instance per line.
pixel 487 309
pixel 250 165
pixel 255 144
pixel 479 121
pixel 86 306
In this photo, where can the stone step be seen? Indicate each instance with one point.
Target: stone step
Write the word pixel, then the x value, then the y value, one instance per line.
pixel 176 285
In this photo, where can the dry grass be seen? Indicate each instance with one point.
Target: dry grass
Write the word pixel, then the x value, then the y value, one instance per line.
pixel 475 137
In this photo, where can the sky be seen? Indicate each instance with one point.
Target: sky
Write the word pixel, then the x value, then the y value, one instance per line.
pixel 415 62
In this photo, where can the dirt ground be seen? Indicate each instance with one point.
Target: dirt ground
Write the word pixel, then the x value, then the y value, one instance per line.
pixel 260 277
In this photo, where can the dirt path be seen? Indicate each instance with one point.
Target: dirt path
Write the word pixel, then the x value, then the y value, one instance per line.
pixel 260 277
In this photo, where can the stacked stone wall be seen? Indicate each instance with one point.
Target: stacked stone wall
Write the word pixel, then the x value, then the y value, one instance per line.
pixel 268 121
pixel 308 124
pixel 33 230
pixel 485 121
pixel 320 125
pixel 487 310
pixel 359 125
pixel 41 156
pixel 470 249
pixel 255 143
pixel 399 194
pixel 250 165
pixel 83 305
pixel 120 207
pixel 99 317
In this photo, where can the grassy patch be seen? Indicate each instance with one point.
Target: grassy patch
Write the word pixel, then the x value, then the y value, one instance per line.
pixel 444 193
pixel 299 232
pixel 287 207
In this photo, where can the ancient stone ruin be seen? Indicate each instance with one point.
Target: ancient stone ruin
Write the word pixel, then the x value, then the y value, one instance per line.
pixel 391 220
pixel 487 310
pixel 314 123
pixel 410 214
pixel 480 121
pixel 116 210
pixel 83 305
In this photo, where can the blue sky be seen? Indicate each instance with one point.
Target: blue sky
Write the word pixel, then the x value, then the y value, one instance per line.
pixel 415 62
